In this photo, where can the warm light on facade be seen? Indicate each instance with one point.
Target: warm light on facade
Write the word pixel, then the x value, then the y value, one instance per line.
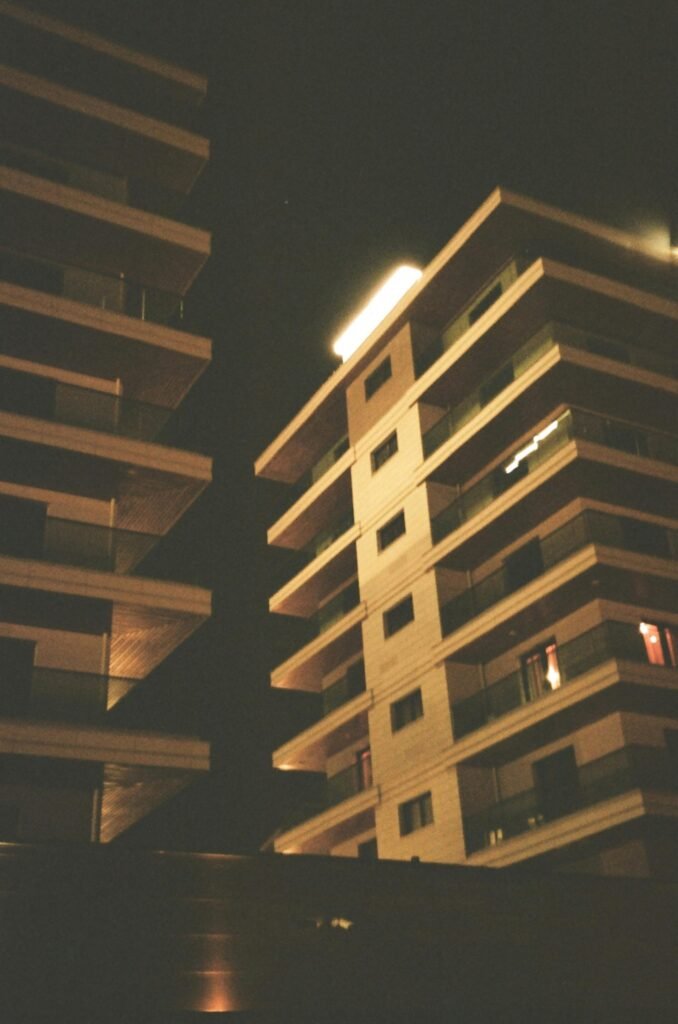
pixel 378 306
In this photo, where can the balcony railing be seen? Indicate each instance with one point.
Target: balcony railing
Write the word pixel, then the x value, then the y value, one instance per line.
pixel 340 605
pixel 612 348
pixel 479 305
pixel 48 399
pixel 572 424
pixel 345 689
pixel 588 528
pixel 67 542
pixel 322 466
pixel 458 415
pixel 128 192
pixel 105 291
pixel 606 641
pixel 332 791
pixel 633 767
pixel 64 695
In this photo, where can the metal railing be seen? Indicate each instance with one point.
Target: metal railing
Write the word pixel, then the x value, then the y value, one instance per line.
pixel 572 424
pixel 339 606
pixel 588 528
pixel 116 294
pixel 600 644
pixel 625 769
pixel 49 399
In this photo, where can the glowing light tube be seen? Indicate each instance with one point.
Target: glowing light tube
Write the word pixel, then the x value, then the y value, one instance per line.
pixel 378 306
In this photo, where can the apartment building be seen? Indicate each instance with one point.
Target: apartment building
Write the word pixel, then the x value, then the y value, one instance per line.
pixel 97 158
pixel 484 507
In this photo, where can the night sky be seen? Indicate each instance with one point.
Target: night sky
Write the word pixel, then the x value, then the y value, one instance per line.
pixel 349 135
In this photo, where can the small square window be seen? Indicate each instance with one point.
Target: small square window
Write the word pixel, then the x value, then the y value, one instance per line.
pixel 415 814
pixel 384 452
pixel 397 618
pixel 377 377
pixel 407 709
pixel 391 530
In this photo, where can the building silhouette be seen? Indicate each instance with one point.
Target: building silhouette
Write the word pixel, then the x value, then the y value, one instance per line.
pixel 483 517
pixel 97 158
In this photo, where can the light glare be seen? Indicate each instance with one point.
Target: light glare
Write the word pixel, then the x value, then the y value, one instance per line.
pixel 378 306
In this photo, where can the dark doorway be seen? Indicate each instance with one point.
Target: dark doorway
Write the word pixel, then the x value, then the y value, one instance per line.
pixel 557 783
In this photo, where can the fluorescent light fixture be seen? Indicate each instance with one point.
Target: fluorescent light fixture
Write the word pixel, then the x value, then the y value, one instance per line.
pixel 378 307
pixel 531 447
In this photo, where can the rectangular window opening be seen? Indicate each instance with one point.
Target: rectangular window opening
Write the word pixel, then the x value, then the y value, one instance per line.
pixel 661 645
pixel 378 377
pixel 540 671
pixel 399 616
pixel 415 814
pixel 406 710
pixel 385 451
pixel 391 530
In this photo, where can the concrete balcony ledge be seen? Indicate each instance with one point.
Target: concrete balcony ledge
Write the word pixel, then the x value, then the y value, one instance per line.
pixel 304 670
pixel 340 820
pixel 301 594
pixel 307 751
pixel 577 826
pixel 92 743
pixel 304 518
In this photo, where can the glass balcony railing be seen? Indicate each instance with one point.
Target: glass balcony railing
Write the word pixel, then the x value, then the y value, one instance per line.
pixel 52 400
pixel 327 537
pixel 334 790
pixel 608 640
pixel 455 418
pixel 479 305
pixel 115 294
pixel 322 466
pixel 538 556
pixel 340 605
pixel 345 689
pixel 128 192
pixel 633 767
pixel 67 542
pixel 546 338
pixel 572 424
pixel 64 695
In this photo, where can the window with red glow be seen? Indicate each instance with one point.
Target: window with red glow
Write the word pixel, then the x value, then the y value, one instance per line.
pixel 660 643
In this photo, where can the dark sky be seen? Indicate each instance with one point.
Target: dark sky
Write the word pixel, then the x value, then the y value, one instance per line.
pixel 348 135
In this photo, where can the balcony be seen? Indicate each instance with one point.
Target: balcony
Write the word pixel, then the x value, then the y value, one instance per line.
pixel 607 641
pixel 633 767
pixel 114 293
pixel 572 424
pixel 49 399
pixel 345 689
pixel 27 533
pixel 479 305
pixel 335 609
pixel 538 556
pixel 64 695
pixel 334 790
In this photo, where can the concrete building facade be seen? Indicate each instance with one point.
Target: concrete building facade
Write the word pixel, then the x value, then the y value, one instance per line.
pixel 96 159
pixel 486 511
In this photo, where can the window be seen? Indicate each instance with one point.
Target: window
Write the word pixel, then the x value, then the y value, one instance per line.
pixel 397 618
pixel 415 814
pixel 391 530
pixel 368 850
pixel 384 452
pixel 539 670
pixel 377 377
pixel 363 760
pixel 523 565
pixel 557 783
pixel 406 710
pixel 661 646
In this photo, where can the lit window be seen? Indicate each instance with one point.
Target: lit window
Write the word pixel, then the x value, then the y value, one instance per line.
pixel 415 814
pixel 660 644
pixel 390 532
pixel 364 768
pixel 406 710
pixel 397 618
pixel 540 671
pixel 378 377
pixel 384 452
